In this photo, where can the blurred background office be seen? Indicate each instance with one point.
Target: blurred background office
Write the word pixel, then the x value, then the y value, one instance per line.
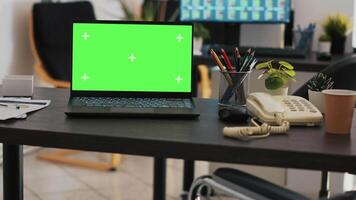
pixel 14 27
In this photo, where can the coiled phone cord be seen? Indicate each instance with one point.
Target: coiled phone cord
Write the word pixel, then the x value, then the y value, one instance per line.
pixel 258 131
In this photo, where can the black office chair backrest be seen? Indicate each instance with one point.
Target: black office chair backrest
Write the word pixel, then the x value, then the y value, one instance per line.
pixel 343 73
pixel 51 25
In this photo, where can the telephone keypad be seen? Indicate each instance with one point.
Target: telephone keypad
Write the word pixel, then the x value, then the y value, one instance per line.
pixel 298 105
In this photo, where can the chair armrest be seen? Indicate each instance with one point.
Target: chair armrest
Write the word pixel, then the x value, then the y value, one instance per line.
pixel 237 179
pixel 350 195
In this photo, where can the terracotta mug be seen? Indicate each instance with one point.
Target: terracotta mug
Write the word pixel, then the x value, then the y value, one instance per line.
pixel 339 110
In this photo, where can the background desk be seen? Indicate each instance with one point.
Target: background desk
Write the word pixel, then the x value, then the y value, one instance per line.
pixel 199 139
pixel 308 64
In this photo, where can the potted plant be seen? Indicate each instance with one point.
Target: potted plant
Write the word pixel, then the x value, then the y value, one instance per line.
pixel 324 44
pixel 337 27
pixel 277 75
pixel 315 86
pixel 200 34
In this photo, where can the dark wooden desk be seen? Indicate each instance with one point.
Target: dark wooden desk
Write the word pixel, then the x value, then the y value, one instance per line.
pixel 308 64
pixel 199 139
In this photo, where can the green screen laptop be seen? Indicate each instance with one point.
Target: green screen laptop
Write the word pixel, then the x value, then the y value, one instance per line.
pixel 132 69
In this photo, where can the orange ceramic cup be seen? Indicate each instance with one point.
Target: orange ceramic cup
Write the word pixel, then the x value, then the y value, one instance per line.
pixel 339 109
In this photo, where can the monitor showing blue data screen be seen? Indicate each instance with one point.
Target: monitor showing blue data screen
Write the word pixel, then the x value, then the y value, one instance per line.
pixel 240 11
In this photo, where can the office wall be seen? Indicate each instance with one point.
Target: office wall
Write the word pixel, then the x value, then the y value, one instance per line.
pixel 262 35
pixel 15 56
pixel 5 44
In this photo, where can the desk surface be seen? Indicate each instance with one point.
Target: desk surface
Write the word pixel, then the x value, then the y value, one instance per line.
pixel 308 64
pixel 199 139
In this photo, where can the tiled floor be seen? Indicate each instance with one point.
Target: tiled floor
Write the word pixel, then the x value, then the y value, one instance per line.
pixel 132 180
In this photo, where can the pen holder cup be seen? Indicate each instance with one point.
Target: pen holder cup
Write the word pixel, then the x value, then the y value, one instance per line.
pixel 303 40
pixel 234 88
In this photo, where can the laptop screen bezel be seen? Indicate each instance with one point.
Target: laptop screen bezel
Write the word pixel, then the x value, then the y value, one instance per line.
pixel 94 93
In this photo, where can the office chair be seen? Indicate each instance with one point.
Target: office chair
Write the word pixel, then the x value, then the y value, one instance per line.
pixel 343 73
pixel 49 34
pixel 243 186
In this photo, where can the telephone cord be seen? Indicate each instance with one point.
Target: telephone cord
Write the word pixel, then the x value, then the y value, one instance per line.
pixel 258 131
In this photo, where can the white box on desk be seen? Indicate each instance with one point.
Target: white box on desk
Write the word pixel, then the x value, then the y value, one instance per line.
pixel 17 86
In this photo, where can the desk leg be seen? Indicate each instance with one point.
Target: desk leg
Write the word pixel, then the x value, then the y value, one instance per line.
pixel 188 177
pixel 159 179
pixel 12 172
pixel 324 190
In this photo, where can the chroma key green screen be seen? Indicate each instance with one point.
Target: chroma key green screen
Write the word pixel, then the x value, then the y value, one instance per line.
pixel 131 57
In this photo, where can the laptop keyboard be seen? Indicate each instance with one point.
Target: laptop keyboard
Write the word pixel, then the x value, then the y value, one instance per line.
pixel 132 102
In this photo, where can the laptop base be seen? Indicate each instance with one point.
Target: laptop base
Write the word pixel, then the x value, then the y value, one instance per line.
pixel 87 108
pixel 131 112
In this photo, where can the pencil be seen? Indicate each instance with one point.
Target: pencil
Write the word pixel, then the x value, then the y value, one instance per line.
pixel 223 61
pixel 215 57
pixel 220 65
pixel 227 60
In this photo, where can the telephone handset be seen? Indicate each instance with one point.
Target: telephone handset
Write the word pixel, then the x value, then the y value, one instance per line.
pixel 281 111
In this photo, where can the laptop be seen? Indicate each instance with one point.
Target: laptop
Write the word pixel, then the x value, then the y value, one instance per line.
pixel 132 69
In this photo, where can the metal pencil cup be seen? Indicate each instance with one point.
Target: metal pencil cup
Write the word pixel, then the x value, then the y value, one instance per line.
pixel 233 88
pixel 303 40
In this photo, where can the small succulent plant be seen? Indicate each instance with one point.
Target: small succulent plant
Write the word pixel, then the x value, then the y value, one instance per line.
pixel 320 82
pixel 277 74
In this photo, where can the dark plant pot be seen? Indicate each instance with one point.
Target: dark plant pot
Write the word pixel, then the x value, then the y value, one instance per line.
pixel 338 46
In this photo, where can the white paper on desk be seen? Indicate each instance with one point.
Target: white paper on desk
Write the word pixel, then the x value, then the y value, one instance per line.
pixel 26 106
pixel 8 113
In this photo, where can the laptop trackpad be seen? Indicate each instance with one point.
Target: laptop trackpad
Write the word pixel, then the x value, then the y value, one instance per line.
pixel 132 110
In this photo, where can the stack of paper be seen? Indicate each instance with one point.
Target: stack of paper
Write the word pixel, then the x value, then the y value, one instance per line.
pixel 18 108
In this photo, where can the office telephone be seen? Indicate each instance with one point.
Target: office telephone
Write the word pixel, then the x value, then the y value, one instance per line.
pixel 276 113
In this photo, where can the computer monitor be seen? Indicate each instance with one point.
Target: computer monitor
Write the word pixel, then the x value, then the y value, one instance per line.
pixel 240 11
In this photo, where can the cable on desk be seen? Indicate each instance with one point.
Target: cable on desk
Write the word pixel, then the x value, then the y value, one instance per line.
pixel 258 131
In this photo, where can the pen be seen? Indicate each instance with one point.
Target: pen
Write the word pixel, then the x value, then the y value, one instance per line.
pixel 22 102
pixel 6 105
pixel 244 61
pixel 252 65
pixel 238 59
pixel 249 51
pixel 250 61
pixel 227 60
